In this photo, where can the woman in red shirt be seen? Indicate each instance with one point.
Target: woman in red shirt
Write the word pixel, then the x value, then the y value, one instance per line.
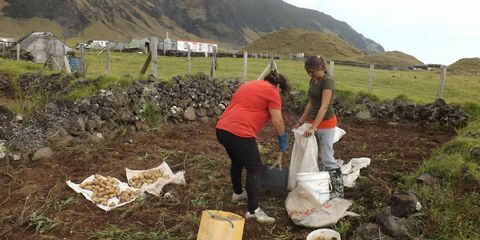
pixel 252 106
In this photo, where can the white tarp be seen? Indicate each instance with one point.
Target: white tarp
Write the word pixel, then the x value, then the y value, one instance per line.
pixel 156 187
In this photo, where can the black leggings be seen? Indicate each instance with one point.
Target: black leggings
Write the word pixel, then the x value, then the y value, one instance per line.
pixel 243 153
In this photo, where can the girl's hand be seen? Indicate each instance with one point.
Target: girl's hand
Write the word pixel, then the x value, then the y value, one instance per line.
pixel 297 125
pixel 309 132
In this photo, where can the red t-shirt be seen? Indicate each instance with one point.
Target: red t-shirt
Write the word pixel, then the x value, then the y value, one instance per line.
pixel 248 112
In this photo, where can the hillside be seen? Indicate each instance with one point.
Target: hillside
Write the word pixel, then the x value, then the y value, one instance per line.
pixel 235 22
pixel 394 58
pixel 466 65
pixel 304 41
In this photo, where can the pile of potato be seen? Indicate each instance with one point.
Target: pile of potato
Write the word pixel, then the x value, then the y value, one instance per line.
pixel 107 188
pixel 147 177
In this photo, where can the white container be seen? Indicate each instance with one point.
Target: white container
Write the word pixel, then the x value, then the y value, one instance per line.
pixel 324 234
pixel 318 182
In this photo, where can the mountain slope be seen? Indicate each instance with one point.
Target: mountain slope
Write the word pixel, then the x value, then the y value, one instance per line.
pixel 466 65
pixel 232 21
pixel 305 41
pixel 394 58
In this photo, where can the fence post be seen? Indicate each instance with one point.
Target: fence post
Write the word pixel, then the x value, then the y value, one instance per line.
pixel 18 51
pixel 189 59
pixel 370 78
pixel 443 76
pixel 154 52
pixel 107 60
pixel 4 45
pixel 332 68
pixel 245 65
pixel 213 66
pixel 82 60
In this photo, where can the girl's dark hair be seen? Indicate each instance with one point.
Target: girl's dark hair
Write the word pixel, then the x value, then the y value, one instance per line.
pixel 315 63
pixel 276 78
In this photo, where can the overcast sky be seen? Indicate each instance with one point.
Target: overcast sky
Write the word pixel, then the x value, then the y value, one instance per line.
pixel 434 31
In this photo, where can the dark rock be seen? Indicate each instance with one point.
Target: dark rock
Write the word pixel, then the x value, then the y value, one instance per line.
pixel 393 226
pixel 404 203
pixel 428 179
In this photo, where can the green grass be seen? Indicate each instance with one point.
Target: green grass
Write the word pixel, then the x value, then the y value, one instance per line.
pixel 14 68
pixel 114 232
pixel 452 210
pixel 418 86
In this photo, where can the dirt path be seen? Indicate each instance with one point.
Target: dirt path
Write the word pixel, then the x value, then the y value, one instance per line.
pixel 29 187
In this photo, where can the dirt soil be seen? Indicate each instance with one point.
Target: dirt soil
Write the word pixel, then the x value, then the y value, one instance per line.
pixel 39 187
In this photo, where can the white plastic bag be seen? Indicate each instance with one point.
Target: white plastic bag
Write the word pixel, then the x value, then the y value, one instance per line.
pixel 351 170
pixel 304 155
pixel 338 134
pixel 156 187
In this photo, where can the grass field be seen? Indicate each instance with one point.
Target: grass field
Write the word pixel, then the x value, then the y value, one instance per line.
pixel 420 86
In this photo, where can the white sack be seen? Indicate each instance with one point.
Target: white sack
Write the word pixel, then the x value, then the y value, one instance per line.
pixel 156 187
pixel 304 155
pixel 305 210
pixel 89 194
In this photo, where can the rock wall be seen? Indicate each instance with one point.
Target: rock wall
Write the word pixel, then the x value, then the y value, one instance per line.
pixel 116 110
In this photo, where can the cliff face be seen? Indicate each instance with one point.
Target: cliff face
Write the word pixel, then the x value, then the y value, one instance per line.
pixel 231 21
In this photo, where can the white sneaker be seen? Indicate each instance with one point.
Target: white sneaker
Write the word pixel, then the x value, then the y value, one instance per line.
pixel 238 197
pixel 260 216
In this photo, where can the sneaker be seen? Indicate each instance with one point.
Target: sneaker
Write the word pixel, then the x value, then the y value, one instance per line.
pixel 238 197
pixel 260 216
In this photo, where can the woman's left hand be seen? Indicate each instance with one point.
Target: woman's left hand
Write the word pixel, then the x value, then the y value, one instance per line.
pixel 309 132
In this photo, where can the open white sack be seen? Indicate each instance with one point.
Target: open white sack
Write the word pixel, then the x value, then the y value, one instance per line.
pixel 89 194
pixel 305 153
pixel 156 187
pixel 305 210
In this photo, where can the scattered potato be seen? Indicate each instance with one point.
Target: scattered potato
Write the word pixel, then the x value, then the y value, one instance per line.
pixel 147 177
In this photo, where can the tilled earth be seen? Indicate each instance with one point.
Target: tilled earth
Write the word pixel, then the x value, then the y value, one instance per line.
pixel 31 192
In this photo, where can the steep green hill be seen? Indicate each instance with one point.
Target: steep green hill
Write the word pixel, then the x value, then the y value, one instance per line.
pixel 305 41
pixel 235 22
pixel 466 65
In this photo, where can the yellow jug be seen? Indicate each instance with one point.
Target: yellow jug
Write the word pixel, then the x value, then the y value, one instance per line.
pixel 219 225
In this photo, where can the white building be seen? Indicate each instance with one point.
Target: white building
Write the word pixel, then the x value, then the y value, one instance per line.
pixel 96 44
pixel 182 45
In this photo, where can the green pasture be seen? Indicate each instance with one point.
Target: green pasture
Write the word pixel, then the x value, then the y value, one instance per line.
pixel 420 86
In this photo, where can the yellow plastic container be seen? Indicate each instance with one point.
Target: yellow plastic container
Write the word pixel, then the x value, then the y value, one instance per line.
pixel 220 225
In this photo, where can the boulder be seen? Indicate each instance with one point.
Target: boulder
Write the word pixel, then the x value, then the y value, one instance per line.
pixel 42 154
pixel 404 204
pixel 393 226
pixel 428 179
pixel 190 114
pixel 364 115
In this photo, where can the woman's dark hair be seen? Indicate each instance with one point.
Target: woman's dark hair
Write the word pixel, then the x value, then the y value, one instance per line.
pixel 315 63
pixel 276 78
